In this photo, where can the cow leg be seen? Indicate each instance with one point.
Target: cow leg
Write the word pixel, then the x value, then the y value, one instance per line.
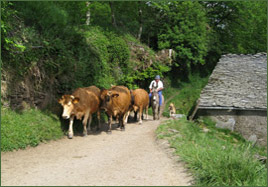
pixel 89 122
pixel 85 120
pixel 98 116
pixel 118 121
pixel 70 132
pixel 110 124
pixel 125 117
pixel 135 115
pixel 140 115
pixel 121 121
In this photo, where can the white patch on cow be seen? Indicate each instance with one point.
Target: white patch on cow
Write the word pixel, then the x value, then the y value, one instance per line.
pixel 70 132
pixel 154 98
pixel 126 117
pixel 115 112
pixel 67 110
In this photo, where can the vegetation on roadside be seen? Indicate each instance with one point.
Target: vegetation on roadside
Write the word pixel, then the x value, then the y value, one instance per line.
pixel 216 157
pixel 28 128
pixel 184 94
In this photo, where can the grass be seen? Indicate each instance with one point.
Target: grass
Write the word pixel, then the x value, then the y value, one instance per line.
pixel 186 94
pixel 217 157
pixel 27 128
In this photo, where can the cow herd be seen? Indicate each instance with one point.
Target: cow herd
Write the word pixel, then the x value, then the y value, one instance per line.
pixel 118 102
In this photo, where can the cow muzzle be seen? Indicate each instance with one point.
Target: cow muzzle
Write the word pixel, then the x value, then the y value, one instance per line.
pixel 65 117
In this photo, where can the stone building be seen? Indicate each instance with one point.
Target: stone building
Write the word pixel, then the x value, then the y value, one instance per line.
pixel 236 96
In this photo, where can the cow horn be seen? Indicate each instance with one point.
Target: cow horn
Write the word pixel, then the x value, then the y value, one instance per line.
pixel 72 97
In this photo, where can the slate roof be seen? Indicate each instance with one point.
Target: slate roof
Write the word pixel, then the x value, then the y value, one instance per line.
pixel 237 82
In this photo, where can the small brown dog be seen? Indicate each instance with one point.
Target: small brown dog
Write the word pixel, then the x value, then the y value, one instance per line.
pixel 172 110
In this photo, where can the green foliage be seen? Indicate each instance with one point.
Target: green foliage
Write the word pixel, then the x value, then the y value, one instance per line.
pixel 184 30
pixel 29 128
pixel 216 158
pixel 238 27
pixel 76 55
pixel 186 93
pixel 101 14
pixel 54 36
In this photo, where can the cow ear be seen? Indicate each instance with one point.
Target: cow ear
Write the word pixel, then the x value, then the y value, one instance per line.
pixel 76 100
pixel 102 93
pixel 115 95
pixel 60 100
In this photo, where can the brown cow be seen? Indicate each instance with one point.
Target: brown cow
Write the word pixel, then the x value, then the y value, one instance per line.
pixel 116 101
pixel 82 103
pixel 141 102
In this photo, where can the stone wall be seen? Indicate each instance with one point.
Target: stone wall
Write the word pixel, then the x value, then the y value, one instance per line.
pixel 251 124
pixel 34 90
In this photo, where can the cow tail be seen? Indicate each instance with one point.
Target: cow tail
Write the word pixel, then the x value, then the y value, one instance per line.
pixel 132 97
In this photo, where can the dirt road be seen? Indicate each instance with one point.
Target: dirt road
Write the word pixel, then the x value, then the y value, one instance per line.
pixel 124 158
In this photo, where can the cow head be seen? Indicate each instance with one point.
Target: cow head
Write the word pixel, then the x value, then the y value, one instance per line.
pixel 68 102
pixel 106 98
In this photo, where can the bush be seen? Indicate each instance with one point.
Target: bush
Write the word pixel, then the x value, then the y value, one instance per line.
pixel 28 128
pixel 185 93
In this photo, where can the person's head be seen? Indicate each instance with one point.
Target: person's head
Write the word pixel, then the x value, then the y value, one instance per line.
pixel 157 78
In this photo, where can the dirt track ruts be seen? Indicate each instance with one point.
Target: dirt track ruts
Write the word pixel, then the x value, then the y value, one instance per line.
pixel 124 158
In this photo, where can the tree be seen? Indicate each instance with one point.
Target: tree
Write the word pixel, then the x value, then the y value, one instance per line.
pixel 88 13
pixel 184 30
pixel 140 21
pixel 112 13
pixel 240 26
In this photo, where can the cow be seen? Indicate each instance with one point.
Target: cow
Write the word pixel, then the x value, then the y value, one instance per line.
pixel 116 101
pixel 82 103
pixel 140 102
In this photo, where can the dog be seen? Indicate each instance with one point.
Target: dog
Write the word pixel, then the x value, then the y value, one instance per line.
pixel 172 110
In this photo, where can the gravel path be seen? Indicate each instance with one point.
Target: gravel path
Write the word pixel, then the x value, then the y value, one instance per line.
pixel 124 158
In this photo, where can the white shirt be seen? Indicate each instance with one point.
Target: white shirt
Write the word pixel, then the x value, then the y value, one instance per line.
pixel 160 84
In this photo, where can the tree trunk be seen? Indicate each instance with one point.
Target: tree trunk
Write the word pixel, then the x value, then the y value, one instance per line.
pixel 113 15
pixel 88 13
pixel 140 21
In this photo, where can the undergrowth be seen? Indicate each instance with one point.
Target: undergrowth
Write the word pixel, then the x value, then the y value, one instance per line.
pixel 186 93
pixel 215 157
pixel 27 128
